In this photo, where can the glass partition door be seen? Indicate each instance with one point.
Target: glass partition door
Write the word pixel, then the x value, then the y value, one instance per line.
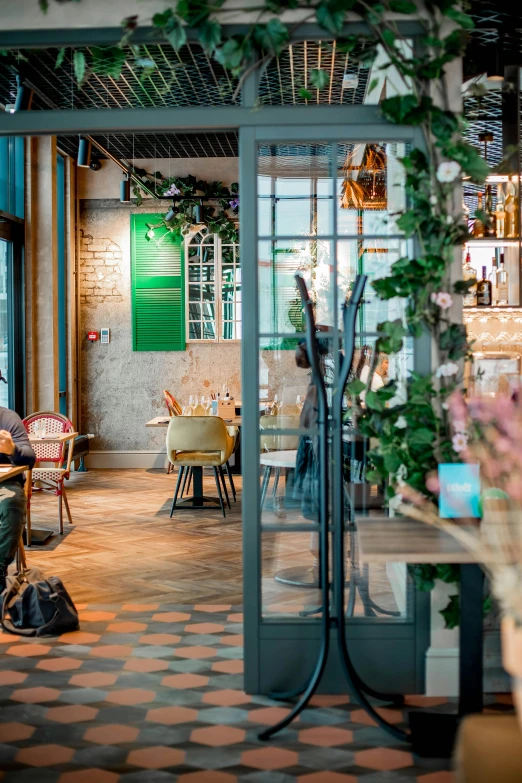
pixel 327 210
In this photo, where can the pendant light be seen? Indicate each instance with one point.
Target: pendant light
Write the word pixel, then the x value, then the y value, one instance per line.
pixel 171 214
pixel 84 153
pixel 125 189
pixel 198 213
pixel 24 95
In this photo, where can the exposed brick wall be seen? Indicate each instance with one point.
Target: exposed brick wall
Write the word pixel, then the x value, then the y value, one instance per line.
pixel 100 273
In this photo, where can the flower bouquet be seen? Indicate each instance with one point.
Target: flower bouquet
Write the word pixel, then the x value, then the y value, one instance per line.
pixel 488 432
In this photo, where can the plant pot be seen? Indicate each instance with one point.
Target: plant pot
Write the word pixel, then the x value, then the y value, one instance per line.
pixel 512 659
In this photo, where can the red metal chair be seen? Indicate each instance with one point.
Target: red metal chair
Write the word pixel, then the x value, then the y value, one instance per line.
pixel 51 478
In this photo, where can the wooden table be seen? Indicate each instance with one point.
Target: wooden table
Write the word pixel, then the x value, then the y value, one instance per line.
pixel 62 437
pixel 397 539
pixel 163 421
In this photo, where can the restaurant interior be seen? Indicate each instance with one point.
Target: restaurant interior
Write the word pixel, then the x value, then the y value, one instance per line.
pixel 185 314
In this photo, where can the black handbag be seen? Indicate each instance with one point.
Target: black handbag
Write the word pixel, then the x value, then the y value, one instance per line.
pixel 37 606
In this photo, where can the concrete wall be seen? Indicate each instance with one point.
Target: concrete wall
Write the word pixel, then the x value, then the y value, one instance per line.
pixel 122 389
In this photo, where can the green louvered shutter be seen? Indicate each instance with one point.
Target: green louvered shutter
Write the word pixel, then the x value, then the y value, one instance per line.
pixel 158 287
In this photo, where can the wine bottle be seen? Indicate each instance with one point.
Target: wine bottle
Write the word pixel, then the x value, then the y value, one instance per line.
pixel 478 225
pixel 502 283
pixel 490 227
pixel 468 273
pixel 493 280
pixel 511 207
pixel 484 298
pixel 500 214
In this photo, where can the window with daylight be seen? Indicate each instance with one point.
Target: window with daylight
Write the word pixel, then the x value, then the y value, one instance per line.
pixel 213 288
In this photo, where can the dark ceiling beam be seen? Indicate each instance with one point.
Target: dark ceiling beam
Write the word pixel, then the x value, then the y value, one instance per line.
pixel 184 119
pixel 108 36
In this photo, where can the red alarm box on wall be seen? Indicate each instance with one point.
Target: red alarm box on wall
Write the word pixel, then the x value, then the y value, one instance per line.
pixel 92 336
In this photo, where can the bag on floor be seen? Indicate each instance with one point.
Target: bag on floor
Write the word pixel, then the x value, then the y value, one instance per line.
pixel 37 606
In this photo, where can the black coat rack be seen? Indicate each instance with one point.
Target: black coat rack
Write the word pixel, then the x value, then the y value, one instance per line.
pixel 332 590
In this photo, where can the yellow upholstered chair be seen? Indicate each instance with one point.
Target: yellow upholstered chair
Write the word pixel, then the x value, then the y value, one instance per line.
pixel 199 442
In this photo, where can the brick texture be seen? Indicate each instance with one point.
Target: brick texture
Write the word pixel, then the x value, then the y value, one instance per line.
pixel 100 273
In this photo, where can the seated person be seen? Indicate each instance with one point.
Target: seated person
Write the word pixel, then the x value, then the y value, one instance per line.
pixel 15 449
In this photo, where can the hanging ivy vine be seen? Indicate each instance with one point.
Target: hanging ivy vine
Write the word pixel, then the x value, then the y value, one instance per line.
pixel 409 421
pixel 218 204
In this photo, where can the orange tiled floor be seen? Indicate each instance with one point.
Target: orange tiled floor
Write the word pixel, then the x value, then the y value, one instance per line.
pixel 133 698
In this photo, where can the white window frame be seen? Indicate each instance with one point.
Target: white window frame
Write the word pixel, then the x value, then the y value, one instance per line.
pixel 217 246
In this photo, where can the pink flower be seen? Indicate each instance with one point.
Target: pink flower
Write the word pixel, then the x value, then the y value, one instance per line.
pixel 433 484
pixel 443 299
pixel 459 442
pixel 459 426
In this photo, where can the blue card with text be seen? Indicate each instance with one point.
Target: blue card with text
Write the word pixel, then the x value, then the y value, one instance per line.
pixel 459 490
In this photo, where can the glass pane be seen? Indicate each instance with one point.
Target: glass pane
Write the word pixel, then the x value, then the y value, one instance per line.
pixel 289 575
pixel 194 330
pixel 5 250
pixel 295 192
pixel 280 310
pixel 370 188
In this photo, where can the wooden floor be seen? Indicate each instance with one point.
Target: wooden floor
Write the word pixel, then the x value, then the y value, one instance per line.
pixel 124 547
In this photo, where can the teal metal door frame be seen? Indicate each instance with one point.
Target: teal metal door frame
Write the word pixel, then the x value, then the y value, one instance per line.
pixel 280 654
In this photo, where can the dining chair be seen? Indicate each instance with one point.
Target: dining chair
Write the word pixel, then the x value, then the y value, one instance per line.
pixel 51 478
pixel 200 442
pixel 174 409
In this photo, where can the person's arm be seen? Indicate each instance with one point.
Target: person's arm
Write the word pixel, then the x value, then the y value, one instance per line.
pixel 14 443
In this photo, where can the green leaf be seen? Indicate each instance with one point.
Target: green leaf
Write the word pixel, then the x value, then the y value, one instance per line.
pixel 373 85
pixel 59 57
pixel 162 19
pixel 209 35
pixel 471 161
pixel 393 332
pixel 451 613
pixel 44 5
pixel 406 109
pixel 330 17
pixel 444 124
pixel 305 94
pixel 423 577
pixel 402 7
pixel 448 573
pixel 388 36
pixel 421 437
pixel 176 34
pixel 459 17
pixel 355 387
pixel 79 66
pixel 454 341
pixel 346 44
pixel 462 286
pixel 234 53
pixel 108 61
pixel 271 37
pixel 319 79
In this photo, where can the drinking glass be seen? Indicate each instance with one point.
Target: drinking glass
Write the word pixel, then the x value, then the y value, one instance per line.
pixel 299 401
pixel 39 429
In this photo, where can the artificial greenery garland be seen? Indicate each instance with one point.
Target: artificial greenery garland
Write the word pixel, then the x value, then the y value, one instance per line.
pixel 413 431
pixel 219 203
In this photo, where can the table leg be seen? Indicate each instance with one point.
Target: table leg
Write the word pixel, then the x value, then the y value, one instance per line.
pixel 197 499
pixel 471 639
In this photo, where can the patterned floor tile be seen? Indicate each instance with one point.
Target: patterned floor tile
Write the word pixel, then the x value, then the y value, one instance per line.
pixel 153 693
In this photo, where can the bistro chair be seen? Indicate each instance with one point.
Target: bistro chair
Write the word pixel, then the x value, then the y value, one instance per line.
pixel 174 409
pixel 277 443
pixel 51 478
pixel 200 442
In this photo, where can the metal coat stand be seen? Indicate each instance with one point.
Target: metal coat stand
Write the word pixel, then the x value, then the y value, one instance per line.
pixel 332 617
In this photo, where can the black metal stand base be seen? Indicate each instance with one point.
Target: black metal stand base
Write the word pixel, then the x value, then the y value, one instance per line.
pixel 39 536
pixel 298 577
pixel 197 502
pixel 432 734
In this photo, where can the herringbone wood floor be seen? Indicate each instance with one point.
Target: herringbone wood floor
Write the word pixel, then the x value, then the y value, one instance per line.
pixel 124 547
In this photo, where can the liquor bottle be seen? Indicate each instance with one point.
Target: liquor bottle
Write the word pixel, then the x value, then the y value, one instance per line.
pixel 484 295
pixel 502 283
pixel 500 214
pixel 478 225
pixel 490 227
pixel 468 273
pixel 511 207
pixel 493 280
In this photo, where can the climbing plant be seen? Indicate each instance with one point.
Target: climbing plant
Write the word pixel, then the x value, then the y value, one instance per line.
pixel 410 422
pixel 218 205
